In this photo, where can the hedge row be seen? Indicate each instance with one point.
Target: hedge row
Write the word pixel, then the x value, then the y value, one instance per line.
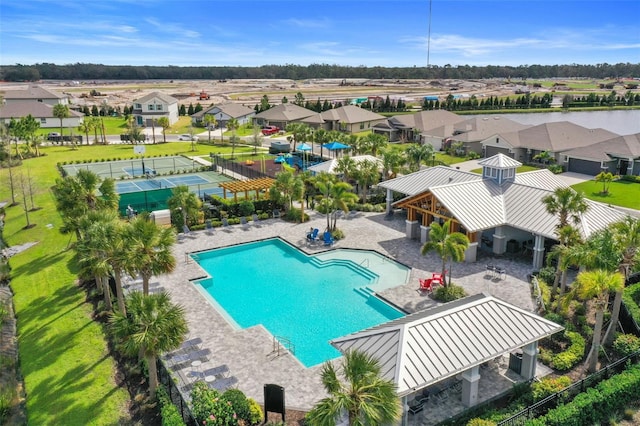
pixel 566 360
pixel 631 298
pixel 596 404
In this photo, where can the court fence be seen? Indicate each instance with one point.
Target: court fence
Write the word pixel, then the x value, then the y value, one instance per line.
pixel 135 167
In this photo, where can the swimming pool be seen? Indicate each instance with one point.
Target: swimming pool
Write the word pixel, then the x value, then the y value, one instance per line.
pixel 305 299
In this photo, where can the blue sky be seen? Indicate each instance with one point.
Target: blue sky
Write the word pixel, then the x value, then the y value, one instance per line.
pixel 344 32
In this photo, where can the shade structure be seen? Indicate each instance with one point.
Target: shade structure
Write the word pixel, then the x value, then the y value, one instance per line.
pixel 279 159
pixel 335 145
pixel 303 147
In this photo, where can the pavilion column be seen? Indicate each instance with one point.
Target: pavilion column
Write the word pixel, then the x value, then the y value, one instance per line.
pixel 470 379
pixel 424 233
pixel 538 252
pixel 405 410
pixel 471 253
pixel 411 228
pixel 529 358
pixel 389 201
pixel 499 241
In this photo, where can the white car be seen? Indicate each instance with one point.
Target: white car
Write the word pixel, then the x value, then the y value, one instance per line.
pixel 188 138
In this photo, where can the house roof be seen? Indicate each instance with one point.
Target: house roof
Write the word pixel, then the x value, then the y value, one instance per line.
pixel 555 137
pixel 285 112
pixel 231 109
pixel 426 120
pixel 422 180
pixel 19 109
pixel 500 161
pixel 313 119
pixel 31 93
pixel 169 100
pixel 480 128
pixel 627 146
pixel 350 114
pixel 329 166
pixel 431 345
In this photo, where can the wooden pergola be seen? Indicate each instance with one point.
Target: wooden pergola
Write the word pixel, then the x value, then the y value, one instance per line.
pixel 428 207
pixel 246 186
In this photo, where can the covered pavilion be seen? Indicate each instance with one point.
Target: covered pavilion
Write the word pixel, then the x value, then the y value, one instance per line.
pixel 453 339
pixel 246 186
pixel 500 208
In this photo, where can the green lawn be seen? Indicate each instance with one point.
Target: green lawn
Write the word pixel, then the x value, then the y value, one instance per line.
pixel 621 193
pixel 63 354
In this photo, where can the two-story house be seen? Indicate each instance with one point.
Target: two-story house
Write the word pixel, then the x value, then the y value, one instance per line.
pixel 37 102
pixel 149 108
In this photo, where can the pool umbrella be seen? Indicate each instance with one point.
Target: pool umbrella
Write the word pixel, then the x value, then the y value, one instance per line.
pixel 303 147
pixel 335 146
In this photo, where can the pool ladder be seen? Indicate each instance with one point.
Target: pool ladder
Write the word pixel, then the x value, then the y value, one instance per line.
pixel 284 343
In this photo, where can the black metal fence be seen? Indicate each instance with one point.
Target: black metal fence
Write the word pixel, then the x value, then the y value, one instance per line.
pixel 218 162
pixel 567 394
pixel 164 376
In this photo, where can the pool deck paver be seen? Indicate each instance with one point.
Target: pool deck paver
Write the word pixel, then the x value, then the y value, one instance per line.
pixel 250 354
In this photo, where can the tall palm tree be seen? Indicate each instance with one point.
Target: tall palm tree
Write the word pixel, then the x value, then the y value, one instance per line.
pixel 567 204
pixel 596 285
pixel 86 127
pixel 392 161
pixel 164 123
pixel 150 249
pixel 627 234
pixel 335 196
pixel 77 195
pixel 233 125
pixel 417 154
pixel 345 166
pixel 367 174
pixel 184 204
pixel 210 121
pixel 287 188
pixel 567 237
pixel 449 245
pixel 361 394
pixel 300 132
pixel 373 143
pixel 61 111
pixel 151 326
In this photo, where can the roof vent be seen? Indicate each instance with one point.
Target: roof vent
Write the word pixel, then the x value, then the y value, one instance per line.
pixel 450 179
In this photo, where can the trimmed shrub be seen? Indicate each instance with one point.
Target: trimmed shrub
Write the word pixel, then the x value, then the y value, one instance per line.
pixel 631 299
pixel 449 293
pixel 255 412
pixel 567 359
pixel 239 403
pixel 548 386
pixel 557 318
pixel 480 422
pixel 209 408
pixel 547 275
pixel 168 411
pixel 626 344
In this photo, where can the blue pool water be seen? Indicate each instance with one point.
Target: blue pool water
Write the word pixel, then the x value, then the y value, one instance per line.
pixel 296 296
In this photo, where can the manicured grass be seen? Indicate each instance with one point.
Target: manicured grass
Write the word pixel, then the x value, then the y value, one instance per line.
pixel 68 375
pixel 621 193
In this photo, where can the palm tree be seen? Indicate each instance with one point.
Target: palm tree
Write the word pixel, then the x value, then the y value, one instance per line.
pixel 335 196
pixel 596 285
pixel 287 187
pixel 545 157
pixel 233 125
pixel 184 204
pixel 627 234
pixel 392 161
pixel 210 121
pixel 150 249
pixel 345 166
pixel 151 326
pixel 605 178
pixel 61 112
pixel 77 195
pixel 361 394
pixel 164 123
pixel 373 142
pixel 449 245
pixel 367 174
pixel 567 204
pixel 300 132
pixel 86 127
pixel 567 237
pixel 417 153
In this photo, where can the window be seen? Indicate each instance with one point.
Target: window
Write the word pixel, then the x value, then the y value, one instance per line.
pixel 361 126
pixel 43 121
pixel 509 173
pixel 138 106
pixel 158 107
pixel 150 107
pixel 494 173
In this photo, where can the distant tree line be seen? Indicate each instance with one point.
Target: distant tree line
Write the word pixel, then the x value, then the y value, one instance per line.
pixel 81 71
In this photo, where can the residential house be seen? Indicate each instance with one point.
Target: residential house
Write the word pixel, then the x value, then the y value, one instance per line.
pixel 619 155
pixel 223 113
pixel 523 145
pixel 39 103
pixel 147 109
pixel 351 119
pixel 430 127
pixel 281 115
pixel 474 131
pixel 501 210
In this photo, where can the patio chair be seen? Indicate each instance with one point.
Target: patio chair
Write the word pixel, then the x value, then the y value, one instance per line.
pixel 244 223
pixel 184 360
pixel 276 214
pixel 187 232
pixel 312 236
pixel 211 373
pixel 256 220
pixel 328 239
pixel 223 384
pixel 208 226
pixel 426 285
pixel 225 225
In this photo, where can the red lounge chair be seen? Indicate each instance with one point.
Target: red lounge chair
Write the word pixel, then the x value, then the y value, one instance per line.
pixel 426 284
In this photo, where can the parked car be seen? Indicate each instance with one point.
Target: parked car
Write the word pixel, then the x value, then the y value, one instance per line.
pixel 53 136
pixel 270 130
pixel 188 138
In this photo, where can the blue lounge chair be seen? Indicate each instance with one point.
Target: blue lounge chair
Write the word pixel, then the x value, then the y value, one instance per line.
pixel 328 239
pixel 312 236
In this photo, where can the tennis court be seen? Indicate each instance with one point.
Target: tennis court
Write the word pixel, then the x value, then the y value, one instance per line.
pixel 136 167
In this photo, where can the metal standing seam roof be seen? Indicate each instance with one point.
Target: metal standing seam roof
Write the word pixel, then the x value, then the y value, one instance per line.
pixel 431 345
pixel 500 161
pixel 422 180
pixel 330 165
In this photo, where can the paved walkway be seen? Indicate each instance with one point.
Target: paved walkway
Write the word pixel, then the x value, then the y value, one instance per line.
pixel 250 354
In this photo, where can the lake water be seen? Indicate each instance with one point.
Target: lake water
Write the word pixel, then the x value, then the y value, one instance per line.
pixel 622 122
